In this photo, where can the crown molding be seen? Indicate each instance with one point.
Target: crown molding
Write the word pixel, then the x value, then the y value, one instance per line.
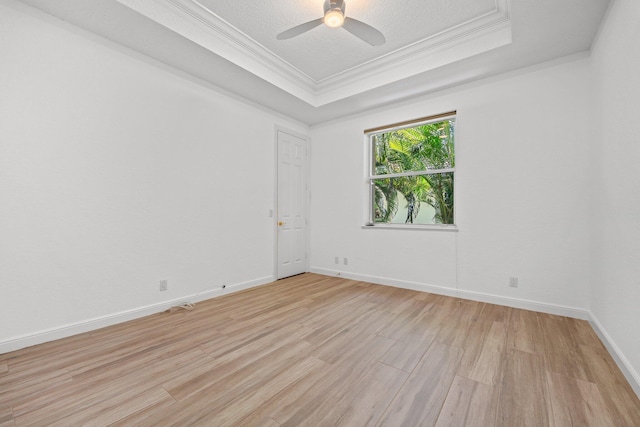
pixel 475 36
pixel 194 21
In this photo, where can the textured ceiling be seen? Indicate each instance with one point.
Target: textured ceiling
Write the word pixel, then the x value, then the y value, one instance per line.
pixel 431 45
pixel 323 51
pixel 327 65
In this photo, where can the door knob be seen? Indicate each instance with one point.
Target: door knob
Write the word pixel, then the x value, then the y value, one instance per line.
pixel 280 223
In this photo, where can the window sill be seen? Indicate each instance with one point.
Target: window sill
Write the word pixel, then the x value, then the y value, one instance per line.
pixel 425 227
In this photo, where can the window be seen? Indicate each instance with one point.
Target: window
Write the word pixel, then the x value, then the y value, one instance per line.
pixel 411 172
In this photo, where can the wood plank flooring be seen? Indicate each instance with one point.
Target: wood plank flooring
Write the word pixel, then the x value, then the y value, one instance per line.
pixel 313 350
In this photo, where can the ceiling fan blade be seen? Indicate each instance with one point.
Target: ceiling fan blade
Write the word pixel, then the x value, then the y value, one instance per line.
pixel 364 31
pixel 302 28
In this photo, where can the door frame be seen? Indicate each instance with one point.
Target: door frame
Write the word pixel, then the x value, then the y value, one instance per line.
pixel 306 201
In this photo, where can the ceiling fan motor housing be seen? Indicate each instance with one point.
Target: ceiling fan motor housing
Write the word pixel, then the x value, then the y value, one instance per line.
pixel 333 5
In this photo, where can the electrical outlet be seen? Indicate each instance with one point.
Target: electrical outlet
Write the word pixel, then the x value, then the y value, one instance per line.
pixel 513 282
pixel 337 260
pixel 345 261
pixel 164 285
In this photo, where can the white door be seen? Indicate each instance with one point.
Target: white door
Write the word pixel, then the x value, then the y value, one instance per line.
pixel 291 218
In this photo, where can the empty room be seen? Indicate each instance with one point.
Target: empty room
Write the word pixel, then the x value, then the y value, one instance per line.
pixel 319 213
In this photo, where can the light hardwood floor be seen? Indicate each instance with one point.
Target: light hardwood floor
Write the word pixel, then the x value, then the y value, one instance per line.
pixel 313 350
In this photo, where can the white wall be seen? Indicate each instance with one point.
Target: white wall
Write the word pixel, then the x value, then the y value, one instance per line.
pixel 115 174
pixel 522 194
pixel 615 262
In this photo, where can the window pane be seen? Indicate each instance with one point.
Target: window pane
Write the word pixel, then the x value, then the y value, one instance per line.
pixel 425 147
pixel 423 199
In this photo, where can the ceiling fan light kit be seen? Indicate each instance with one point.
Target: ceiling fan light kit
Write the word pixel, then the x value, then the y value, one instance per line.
pixel 334 17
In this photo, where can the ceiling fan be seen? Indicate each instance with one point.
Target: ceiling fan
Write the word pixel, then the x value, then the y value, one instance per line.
pixel 334 18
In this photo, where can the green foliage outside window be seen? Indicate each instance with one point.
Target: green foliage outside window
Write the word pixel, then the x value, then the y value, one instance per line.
pixel 426 154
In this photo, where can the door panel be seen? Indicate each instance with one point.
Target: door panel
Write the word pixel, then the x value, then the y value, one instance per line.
pixel 292 152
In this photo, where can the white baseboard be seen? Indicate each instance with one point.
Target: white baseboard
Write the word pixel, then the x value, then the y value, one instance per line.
pixel 541 307
pixel 623 363
pixel 52 334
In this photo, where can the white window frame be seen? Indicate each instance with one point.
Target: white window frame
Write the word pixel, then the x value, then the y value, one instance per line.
pixel 370 176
